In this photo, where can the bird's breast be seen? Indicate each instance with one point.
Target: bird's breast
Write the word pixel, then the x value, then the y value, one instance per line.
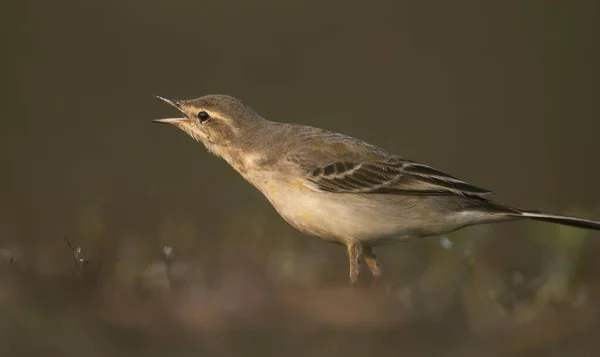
pixel 333 217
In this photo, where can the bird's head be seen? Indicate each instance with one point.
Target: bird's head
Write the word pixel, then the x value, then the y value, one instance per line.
pixel 218 121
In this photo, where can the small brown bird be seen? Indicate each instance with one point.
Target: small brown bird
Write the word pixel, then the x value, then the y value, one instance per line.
pixel 340 188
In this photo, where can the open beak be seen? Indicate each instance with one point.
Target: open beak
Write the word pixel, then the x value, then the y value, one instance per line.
pixel 174 103
pixel 170 120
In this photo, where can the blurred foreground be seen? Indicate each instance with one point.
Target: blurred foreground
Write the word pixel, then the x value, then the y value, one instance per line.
pixel 271 294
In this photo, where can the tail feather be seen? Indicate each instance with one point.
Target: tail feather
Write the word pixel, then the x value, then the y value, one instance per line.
pixel 564 220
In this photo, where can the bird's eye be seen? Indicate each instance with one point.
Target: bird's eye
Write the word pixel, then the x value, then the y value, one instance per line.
pixel 203 116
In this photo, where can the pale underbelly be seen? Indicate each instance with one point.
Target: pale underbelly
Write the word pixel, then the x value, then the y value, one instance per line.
pixel 368 219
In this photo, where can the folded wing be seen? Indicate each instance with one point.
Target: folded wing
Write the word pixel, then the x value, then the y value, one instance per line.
pixel 391 176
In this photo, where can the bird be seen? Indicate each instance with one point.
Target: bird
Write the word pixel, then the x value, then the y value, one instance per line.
pixel 339 188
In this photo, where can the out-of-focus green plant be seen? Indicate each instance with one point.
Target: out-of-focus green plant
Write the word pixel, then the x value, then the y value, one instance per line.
pixel 446 271
pixel 564 247
pixel 179 231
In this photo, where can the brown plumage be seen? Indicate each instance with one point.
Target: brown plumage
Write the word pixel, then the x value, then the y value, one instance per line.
pixel 340 188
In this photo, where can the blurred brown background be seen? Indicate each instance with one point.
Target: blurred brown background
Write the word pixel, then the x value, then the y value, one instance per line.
pixel 502 94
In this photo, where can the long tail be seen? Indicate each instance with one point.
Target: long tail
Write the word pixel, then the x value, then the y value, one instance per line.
pixel 555 218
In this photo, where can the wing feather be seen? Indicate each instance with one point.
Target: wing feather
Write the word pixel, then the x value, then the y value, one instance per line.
pixel 393 176
pixel 354 166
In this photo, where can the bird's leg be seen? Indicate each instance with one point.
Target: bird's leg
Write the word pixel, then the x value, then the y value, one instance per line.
pixel 373 264
pixel 355 251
